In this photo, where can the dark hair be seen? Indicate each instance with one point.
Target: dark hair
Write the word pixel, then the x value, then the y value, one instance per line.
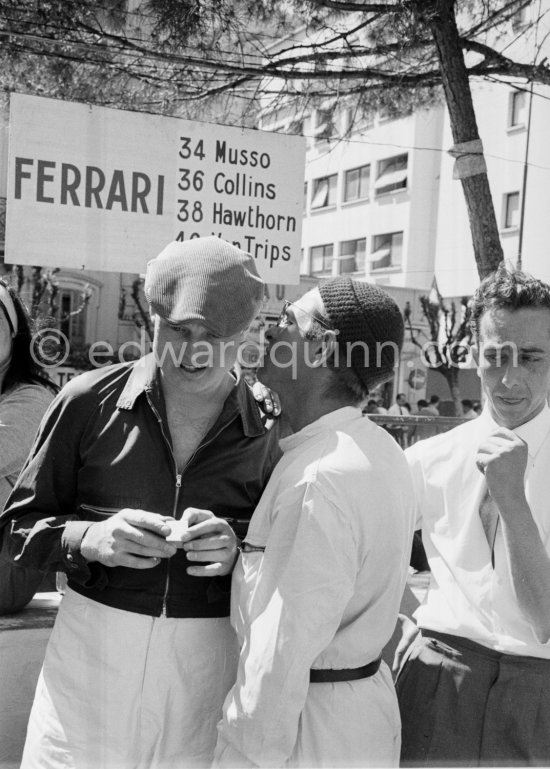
pixel 467 403
pixel 23 367
pixel 421 403
pixel 510 290
pixel 435 399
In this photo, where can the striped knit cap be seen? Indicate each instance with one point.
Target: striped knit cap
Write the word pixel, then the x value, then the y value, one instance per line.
pixel 370 325
pixel 205 280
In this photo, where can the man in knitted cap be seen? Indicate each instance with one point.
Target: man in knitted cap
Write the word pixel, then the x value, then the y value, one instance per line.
pixel 142 653
pixel 318 585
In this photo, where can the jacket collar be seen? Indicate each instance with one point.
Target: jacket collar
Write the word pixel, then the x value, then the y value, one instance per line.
pixel 144 378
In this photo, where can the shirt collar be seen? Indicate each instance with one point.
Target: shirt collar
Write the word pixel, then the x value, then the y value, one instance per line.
pixel 328 421
pixel 532 432
pixel 144 377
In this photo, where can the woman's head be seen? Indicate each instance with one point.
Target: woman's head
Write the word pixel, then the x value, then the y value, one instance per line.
pixel 16 332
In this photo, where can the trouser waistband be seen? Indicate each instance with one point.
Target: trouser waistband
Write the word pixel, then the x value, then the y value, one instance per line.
pixel 344 674
pixel 465 644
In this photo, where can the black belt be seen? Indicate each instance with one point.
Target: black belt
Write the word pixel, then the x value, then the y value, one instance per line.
pixel 345 674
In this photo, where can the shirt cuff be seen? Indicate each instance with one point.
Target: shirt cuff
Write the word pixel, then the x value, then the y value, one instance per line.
pixel 76 566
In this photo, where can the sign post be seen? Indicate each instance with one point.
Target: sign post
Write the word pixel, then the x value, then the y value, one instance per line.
pixel 105 189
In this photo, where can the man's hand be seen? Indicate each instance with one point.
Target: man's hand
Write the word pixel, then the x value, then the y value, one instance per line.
pixel 268 400
pixel 132 538
pixel 502 457
pixel 409 631
pixel 211 540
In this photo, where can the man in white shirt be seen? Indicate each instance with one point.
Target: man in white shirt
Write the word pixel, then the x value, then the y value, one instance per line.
pixel 475 685
pixel 399 408
pixel 317 588
pixel 399 432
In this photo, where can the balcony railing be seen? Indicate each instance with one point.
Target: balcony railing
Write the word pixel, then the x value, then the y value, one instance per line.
pixel 409 429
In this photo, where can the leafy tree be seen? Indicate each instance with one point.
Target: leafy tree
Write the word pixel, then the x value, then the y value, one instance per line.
pixel 448 343
pixel 221 59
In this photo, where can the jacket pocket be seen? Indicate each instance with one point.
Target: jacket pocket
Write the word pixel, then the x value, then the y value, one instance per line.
pixel 96 512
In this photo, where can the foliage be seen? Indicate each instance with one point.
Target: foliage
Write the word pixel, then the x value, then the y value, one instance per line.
pixel 231 60
pixel 173 56
pixel 449 339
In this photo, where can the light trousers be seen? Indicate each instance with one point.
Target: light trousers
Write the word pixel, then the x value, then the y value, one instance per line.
pixel 120 690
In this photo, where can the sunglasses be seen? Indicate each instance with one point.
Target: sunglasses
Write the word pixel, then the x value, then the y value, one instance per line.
pixel 283 319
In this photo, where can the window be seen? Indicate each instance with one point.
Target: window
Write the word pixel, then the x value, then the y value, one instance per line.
pixel 72 305
pixel 324 125
pixel 356 183
pixel 511 210
pixel 518 109
pixel 305 197
pixel 387 251
pixel 324 191
pixel 321 259
pixel 352 256
pixel 391 174
pixel 357 121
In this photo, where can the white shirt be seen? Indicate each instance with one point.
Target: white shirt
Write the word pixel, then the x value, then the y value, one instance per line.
pixel 336 520
pixel 397 410
pixel 466 596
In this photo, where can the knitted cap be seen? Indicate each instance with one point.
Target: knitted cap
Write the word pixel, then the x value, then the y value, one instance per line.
pixel 370 325
pixel 206 280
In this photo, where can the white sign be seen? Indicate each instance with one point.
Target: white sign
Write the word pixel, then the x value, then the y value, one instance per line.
pixel 104 189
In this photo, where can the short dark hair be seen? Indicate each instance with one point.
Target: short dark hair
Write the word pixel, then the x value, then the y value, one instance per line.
pixel 467 403
pixel 508 289
pixel 23 367
pixel 435 399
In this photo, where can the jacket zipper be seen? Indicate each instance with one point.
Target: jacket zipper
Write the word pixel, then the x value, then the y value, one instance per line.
pixel 174 511
pixel 178 479
pixel 176 495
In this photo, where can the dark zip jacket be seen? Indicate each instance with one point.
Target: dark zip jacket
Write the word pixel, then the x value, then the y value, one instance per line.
pixel 105 445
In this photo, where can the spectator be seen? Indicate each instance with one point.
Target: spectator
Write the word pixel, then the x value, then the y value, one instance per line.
pixel 433 406
pixel 399 408
pixel 25 394
pixel 371 407
pixel 468 409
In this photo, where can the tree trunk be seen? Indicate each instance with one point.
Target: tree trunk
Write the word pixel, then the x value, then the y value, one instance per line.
pixel 451 377
pixel 440 15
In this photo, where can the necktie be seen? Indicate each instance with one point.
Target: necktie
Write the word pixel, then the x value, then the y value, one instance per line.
pixel 488 512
